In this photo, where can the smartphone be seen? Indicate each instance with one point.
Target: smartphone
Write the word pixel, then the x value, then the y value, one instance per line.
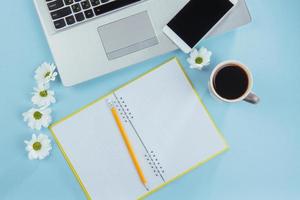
pixel 195 21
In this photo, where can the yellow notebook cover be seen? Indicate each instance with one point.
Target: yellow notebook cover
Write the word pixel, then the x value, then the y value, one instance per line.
pixel 171 130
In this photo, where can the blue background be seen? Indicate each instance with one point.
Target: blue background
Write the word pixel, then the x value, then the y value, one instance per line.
pixel 264 160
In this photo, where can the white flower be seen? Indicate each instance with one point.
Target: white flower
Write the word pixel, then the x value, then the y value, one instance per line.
pixel 38 147
pixel 199 59
pixel 38 118
pixel 45 73
pixel 42 96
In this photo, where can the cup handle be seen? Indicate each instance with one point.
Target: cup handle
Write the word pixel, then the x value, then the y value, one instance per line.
pixel 252 98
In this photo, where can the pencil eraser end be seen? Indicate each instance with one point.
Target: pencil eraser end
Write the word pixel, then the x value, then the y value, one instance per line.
pixel 109 103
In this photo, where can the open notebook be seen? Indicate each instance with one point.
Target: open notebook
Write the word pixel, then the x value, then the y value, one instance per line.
pixel 169 128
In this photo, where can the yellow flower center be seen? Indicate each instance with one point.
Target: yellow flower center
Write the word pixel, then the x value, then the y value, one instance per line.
pixel 47 74
pixel 199 60
pixel 37 115
pixel 37 146
pixel 44 93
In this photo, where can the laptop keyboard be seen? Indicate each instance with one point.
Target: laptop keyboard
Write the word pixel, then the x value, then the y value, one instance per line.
pixel 66 13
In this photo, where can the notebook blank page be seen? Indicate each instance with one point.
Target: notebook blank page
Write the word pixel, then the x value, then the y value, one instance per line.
pixel 171 121
pixel 97 151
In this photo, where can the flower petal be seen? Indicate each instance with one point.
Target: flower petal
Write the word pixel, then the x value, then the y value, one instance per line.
pixel 194 54
pixel 191 61
pixel 45 148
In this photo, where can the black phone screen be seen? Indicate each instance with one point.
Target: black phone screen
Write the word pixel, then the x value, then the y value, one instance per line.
pixel 193 22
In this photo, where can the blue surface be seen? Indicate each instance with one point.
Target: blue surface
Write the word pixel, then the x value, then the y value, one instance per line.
pixel 263 162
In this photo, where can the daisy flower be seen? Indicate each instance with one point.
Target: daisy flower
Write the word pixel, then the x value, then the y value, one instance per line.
pixel 38 147
pixel 38 118
pixel 45 73
pixel 42 96
pixel 199 59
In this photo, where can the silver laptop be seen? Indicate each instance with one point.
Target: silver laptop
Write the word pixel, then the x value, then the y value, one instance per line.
pixel 90 38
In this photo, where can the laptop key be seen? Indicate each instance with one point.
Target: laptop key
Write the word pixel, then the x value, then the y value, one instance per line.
pixel 85 4
pixel 76 8
pixel 55 5
pixel 79 17
pixel 61 13
pixel 68 2
pixel 70 20
pixel 95 2
pixel 89 13
pixel 59 23
pixel 104 1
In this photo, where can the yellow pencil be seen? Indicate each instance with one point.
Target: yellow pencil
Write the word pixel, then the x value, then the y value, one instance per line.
pixel 128 144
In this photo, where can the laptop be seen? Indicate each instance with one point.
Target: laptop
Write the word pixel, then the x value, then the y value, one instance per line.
pixel 91 38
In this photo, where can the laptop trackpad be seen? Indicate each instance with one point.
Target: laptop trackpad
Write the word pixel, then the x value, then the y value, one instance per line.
pixel 127 35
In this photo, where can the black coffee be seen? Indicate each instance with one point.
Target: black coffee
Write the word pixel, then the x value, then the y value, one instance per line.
pixel 231 82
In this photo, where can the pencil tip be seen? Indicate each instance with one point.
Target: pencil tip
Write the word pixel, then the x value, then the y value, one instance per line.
pixel 146 186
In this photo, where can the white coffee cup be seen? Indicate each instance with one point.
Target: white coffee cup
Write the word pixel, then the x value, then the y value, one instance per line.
pixel 247 96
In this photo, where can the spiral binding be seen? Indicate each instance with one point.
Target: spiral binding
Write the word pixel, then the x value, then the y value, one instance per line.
pixel 154 163
pixel 127 115
pixel 123 109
